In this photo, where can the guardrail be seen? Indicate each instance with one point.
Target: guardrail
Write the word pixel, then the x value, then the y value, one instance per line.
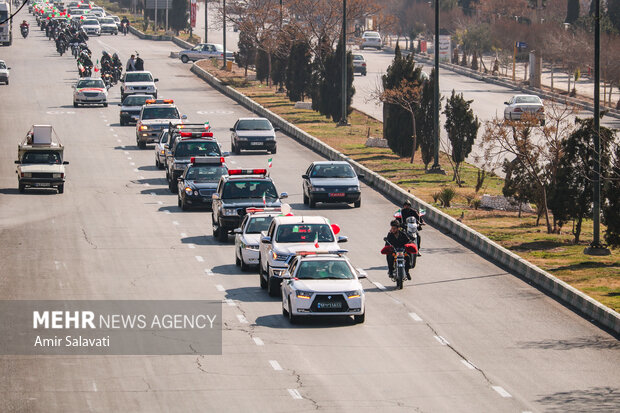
pixel 568 295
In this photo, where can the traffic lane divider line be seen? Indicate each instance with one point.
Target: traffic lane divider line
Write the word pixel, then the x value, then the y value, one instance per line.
pixel 502 392
pixel 275 365
pixel 258 341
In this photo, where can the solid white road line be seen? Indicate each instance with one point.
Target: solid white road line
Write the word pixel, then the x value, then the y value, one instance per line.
pixel 501 391
pixel 468 364
pixel 242 319
pixel 258 341
pixel 294 394
pixel 415 317
pixel 199 258
pixel 442 340
pixel 220 287
pixel 378 285
pixel 275 365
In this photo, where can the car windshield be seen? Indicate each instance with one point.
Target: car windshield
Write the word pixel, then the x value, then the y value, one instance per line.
pixel 371 34
pixel 91 22
pixel 332 171
pixel 2 65
pixel 206 148
pixel 358 57
pixel 527 99
pixel 107 21
pixel 160 113
pixel 254 124
pixel 46 157
pixel 135 100
pixel 138 77
pixel 304 233
pixel 258 224
pixel 324 269
pixel 90 83
pixel 206 173
pixel 249 189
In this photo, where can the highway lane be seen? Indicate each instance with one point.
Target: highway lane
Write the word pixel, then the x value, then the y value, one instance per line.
pixel 111 238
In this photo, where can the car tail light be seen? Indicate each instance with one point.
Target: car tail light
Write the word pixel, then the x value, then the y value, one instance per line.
pixel 186 134
pixel 207 134
pixel 22 174
pixel 62 175
pixel 363 64
pixel 259 171
pixel 518 110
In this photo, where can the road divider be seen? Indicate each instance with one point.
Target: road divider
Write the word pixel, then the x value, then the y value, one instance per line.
pixel 568 295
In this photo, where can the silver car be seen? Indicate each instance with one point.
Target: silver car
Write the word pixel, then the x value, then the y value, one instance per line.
pixel 204 51
pixel 371 39
pixel 247 236
pixel 91 27
pixel 359 64
pixel 161 146
pixel 90 91
pixel 4 72
pixel 520 104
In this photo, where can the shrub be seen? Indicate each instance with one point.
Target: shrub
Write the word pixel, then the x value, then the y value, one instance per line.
pixel 435 196
pixel 446 196
pixel 475 203
pixel 469 197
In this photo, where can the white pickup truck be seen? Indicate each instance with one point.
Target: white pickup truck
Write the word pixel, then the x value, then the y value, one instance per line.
pixel 40 161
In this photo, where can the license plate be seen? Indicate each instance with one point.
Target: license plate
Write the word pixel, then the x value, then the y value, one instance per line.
pixel 337 194
pixel 330 305
pixel 256 143
pixel 42 184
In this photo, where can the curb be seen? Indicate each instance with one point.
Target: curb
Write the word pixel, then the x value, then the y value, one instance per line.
pixel 496 80
pixel 181 43
pixel 551 285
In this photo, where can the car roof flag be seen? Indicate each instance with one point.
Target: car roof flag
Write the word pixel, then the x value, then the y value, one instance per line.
pixel 316 240
pixel 269 162
pixel 264 199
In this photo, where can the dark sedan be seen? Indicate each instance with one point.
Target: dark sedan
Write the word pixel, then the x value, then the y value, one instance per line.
pixel 327 181
pixel 199 181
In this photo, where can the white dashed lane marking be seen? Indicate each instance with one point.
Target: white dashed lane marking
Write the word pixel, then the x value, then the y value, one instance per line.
pixel 378 285
pixel 501 391
pixel 242 319
pixel 294 394
pixel 442 340
pixel 275 365
pixel 230 302
pixel 208 271
pixel 468 364
pixel 199 258
pixel 220 287
pixel 415 317
pixel 258 341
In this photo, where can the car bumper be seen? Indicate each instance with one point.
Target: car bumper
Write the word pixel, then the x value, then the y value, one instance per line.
pixel 111 31
pixel 348 197
pixel 130 118
pixel 257 145
pixel 198 201
pixel 151 137
pixel 518 115
pixel 249 256
pixel 359 69
pixel 229 223
pixel 90 101
pixel 302 307
pixel 4 78
pixel 41 183
pixel 141 92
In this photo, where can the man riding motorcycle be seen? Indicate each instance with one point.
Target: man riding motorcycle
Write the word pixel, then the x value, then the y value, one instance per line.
pixel 397 238
pixel 117 67
pixel 407 212
pixel 24 28
pixel 125 25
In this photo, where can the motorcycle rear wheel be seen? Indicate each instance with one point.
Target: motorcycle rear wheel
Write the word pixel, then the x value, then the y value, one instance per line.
pixel 400 277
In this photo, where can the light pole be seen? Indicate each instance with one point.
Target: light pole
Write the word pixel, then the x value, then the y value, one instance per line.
pixel 596 248
pixel 206 21
pixel 343 119
pixel 280 13
pixel 436 168
pixel 224 33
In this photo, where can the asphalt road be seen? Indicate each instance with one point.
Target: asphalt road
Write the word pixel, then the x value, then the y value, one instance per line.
pixel 463 336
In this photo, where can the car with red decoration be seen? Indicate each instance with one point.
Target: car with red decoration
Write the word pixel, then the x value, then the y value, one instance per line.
pixel 155 115
pixel 286 236
pixel 90 91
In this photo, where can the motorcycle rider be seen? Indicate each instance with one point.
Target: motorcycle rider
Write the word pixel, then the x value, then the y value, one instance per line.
pixel 397 238
pixel 407 212
pixel 117 67
pixel 106 63
pixel 125 25
pixel 24 24
pixel 24 28
pixel 139 63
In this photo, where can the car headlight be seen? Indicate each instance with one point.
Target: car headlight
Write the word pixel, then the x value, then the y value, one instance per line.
pixel 354 189
pixel 279 257
pixel 124 113
pixel 306 295
pixel 144 127
pixel 27 175
pixel 188 190
pixel 229 211
pixel 316 188
pixel 58 175
pixel 241 138
pixel 162 152
pixel 354 294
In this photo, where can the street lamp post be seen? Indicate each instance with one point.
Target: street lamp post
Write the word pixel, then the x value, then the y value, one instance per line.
pixel 436 168
pixel 206 21
pixel 343 120
pixel 224 33
pixel 596 248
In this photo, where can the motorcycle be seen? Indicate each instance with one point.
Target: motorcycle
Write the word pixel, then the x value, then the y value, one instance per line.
pixel 24 30
pixel 117 72
pixel 412 226
pixel 124 28
pixel 400 255
pixel 107 80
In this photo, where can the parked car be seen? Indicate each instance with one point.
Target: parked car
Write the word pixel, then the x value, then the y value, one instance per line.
pixel 371 39
pixel 205 51
pixel 520 104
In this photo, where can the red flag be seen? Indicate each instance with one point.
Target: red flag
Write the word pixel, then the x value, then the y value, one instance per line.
pixel 316 240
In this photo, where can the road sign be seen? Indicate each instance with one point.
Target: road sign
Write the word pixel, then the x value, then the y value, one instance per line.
pixel 192 14
pixel 520 45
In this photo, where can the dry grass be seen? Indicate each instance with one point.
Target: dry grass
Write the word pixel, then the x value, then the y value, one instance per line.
pixel 599 277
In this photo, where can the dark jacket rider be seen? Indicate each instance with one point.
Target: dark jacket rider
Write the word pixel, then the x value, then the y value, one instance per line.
pixel 397 238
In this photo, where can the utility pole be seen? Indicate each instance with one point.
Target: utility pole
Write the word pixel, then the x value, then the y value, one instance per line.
pixel 206 21
pixel 280 13
pixel 436 168
pixel 224 33
pixel 596 248
pixel 343 119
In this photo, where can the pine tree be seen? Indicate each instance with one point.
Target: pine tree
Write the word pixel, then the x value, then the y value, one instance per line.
pixel 178 15
pixel 462 127
pixel 397 125
pixel 330 88
pixel 247 51
pixel 572 11
pixel 298 71
pixel 262 66
pixel 613 11
pixel 611 203
pixel 425 119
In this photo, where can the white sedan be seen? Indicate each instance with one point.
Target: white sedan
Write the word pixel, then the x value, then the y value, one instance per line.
pixel 320 284
pixel 90 91
pixel 247 236
pixel 520 104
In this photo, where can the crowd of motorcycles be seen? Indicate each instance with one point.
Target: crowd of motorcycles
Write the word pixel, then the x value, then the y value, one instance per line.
pixel 70 36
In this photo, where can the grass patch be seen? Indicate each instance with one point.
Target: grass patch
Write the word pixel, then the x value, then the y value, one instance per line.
pixel 556 253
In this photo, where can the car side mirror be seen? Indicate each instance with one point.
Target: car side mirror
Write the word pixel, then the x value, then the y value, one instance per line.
pixel 360 176
pixel 184 117
pixel 225 154
pixel 276 129
pixel 506 103
pixel 237 231
pixel 232 129
pixel 215 196
pixel 283 195
pixel 18 162
pixel 285 275
pixel 304 176
pixel 265 240
pixel 155 80
pixel 342 238
pixel 65 163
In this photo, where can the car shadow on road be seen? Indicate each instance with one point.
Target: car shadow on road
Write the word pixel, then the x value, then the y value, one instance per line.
pixel 251 294
pixel 153 181
pixel 149 168
pixel 595 399
pixel 201 240
pixel 29 191
pixel 131 148
pixel 279 321
pixel 156 191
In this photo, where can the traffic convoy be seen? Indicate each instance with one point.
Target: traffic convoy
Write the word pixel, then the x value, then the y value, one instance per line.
pixel 297 256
